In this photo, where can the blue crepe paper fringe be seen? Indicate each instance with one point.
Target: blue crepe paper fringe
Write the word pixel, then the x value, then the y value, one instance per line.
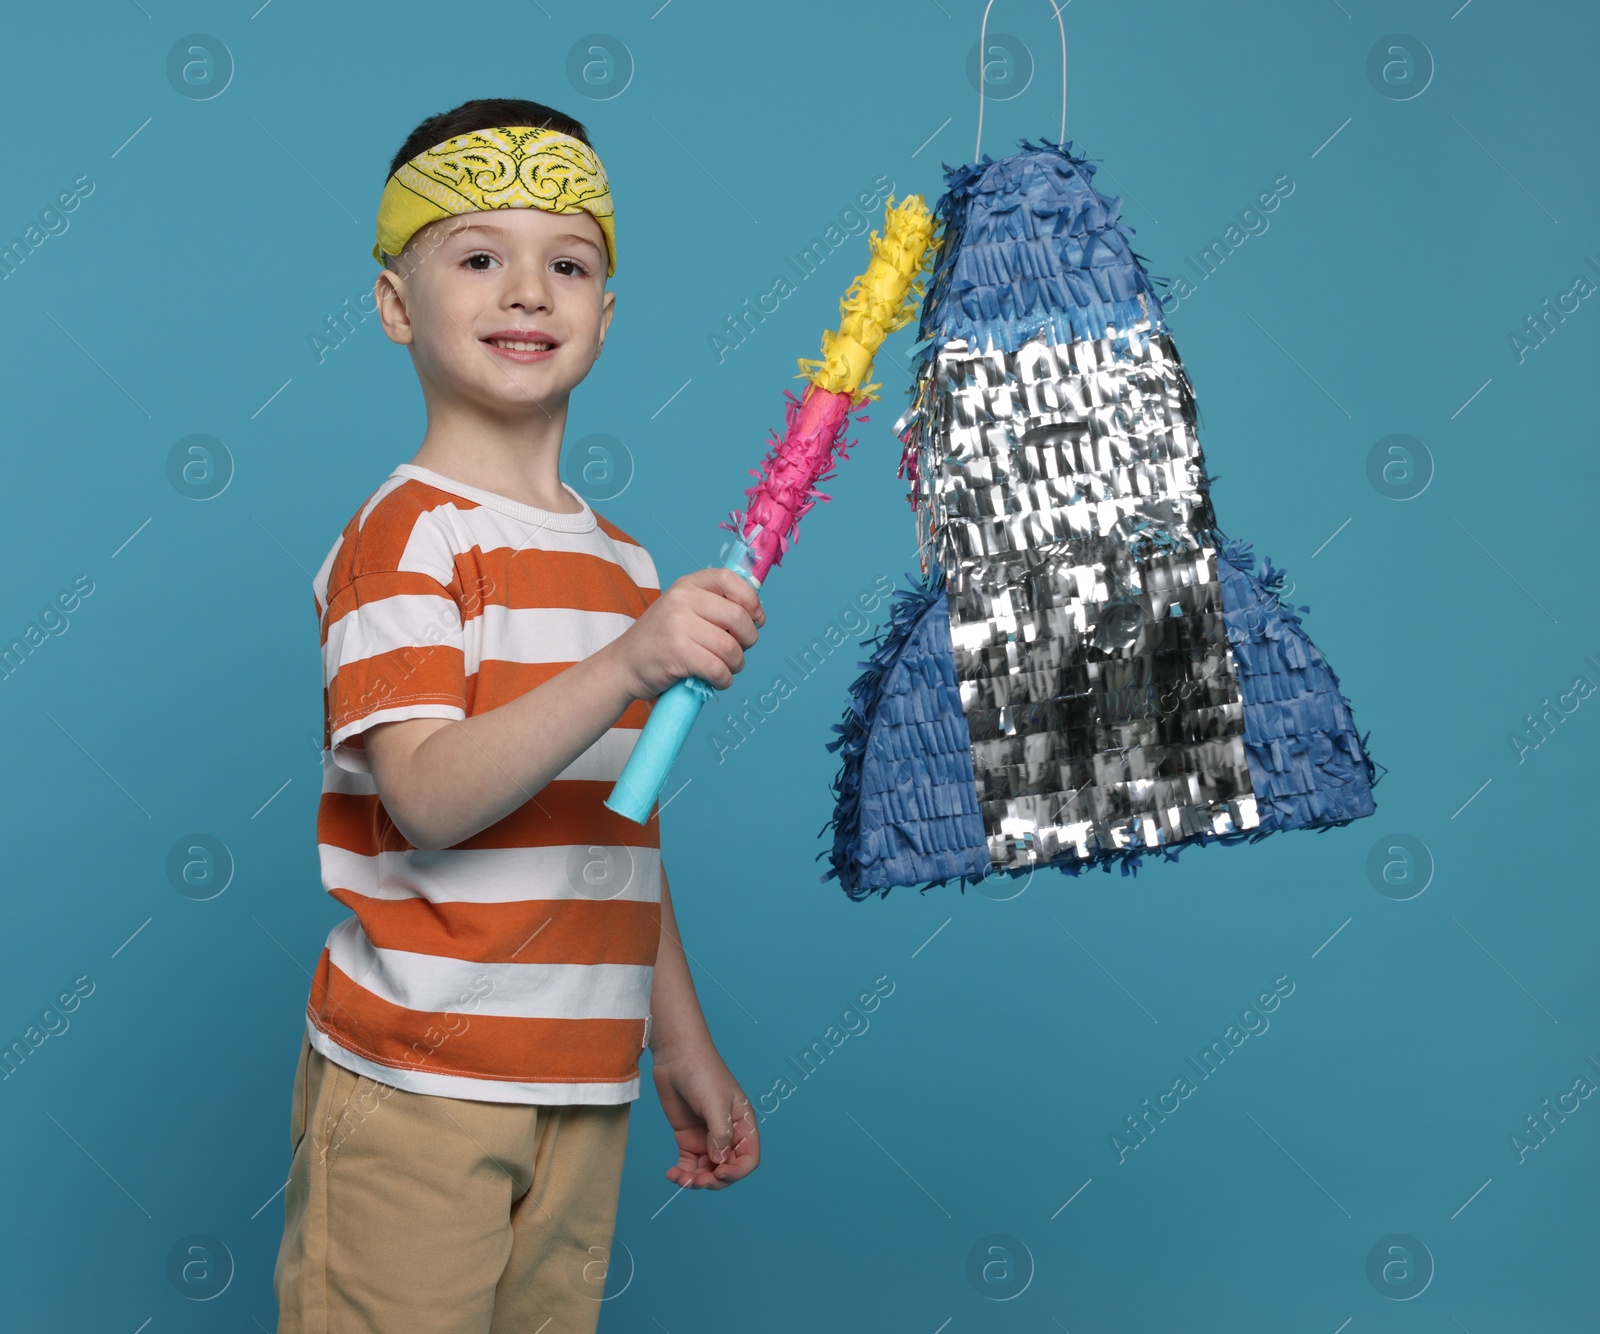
pixel 1030 245
pixel 1309 768
pixel 906 804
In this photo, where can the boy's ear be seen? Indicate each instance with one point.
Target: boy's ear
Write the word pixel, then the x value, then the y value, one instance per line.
pixel 608 305
pixel 390 292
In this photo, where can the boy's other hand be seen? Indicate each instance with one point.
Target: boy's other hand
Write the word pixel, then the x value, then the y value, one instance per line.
pixel 711 1117
pixel 700 626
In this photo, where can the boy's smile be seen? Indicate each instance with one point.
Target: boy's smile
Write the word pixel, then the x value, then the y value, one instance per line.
pixel 522 344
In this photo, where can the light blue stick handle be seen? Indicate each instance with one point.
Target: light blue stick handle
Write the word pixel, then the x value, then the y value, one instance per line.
pixel 671 718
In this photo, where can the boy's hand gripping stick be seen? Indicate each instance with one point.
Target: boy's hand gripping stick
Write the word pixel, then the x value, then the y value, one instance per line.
pixel 878 302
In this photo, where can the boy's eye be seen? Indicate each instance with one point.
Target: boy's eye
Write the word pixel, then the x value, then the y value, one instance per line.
pixel 472 261
pixel 580 270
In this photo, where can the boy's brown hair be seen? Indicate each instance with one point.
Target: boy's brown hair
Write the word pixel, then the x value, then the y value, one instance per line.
pixel 484 113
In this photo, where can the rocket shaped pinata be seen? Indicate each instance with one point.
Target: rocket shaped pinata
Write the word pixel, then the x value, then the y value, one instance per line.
pixel 1092 672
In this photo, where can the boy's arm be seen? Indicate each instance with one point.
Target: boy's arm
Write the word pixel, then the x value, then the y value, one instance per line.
pixel 443 780
pixel 715 1126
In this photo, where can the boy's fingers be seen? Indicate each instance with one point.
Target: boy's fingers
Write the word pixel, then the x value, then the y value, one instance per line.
pixel 726 647
pixel 729 616
pixel 737 589
pixel 747 1139
pixel 742 1146
pixel 719 1139
pixel 729 586
pixel 721 655
pixel 714 671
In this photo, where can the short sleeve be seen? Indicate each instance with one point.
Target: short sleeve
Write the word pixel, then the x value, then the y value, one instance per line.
pixel 393 648
pixel 645 576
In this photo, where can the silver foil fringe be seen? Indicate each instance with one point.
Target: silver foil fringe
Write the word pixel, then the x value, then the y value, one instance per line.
pixel 1062 489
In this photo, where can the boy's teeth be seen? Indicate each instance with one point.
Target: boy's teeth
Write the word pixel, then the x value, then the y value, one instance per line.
pixel 516 346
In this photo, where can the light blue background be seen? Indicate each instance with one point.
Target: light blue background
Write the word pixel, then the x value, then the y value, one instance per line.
pixel 1020 1034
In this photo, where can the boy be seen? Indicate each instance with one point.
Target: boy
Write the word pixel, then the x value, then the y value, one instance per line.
pixel 473 1033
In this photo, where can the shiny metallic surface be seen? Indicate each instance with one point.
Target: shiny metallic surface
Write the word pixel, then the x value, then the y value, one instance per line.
pixel 1061 487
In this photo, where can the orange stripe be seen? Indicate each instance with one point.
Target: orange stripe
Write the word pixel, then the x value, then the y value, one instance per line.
pixel 529 931
pixel 377 546
pixel 533 578
pixel 357 824
pixel 375 587
pixel 566 811
pixel 384 536
pixel 430 673
pixel 344 558
pixel 497 682
pixel 484 1046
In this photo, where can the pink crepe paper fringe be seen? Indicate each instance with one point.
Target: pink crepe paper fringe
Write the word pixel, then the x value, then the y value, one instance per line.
pixel 786 485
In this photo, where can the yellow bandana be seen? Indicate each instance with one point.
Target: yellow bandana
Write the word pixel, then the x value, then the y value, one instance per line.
pixel 515 167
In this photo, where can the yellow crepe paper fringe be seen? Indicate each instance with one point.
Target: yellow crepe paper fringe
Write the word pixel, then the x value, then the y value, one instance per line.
pixel 879 301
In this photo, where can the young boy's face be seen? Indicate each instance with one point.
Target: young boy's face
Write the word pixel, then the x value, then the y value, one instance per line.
pixel 470 294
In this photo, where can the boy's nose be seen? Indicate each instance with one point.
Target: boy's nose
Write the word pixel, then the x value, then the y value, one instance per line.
pixel 527 290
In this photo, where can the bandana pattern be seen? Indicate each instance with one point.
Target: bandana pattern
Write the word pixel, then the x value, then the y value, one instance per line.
pixel 514 167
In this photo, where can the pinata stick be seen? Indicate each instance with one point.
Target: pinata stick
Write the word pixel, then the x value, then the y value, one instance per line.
pixel 878 302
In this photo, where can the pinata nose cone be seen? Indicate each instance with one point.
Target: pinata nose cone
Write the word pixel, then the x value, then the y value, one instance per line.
pixel 1031 246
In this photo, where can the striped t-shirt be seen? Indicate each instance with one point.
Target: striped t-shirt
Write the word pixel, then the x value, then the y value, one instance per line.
pixel 514 966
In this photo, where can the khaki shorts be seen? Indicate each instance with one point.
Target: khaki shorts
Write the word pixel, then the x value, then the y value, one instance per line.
pixel 407 1213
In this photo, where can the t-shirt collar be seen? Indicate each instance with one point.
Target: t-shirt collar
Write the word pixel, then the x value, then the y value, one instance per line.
pixel 581 522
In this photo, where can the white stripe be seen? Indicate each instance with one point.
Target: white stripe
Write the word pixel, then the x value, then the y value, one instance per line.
pixel 497 875
pixel 540 634
pixel 339 778
pixel 636 561
pixel 498 634
pixel 463 1086
pixel 490 530
pixel 431 982
pixel 355 758
pixel 319 581
pixel 402 620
